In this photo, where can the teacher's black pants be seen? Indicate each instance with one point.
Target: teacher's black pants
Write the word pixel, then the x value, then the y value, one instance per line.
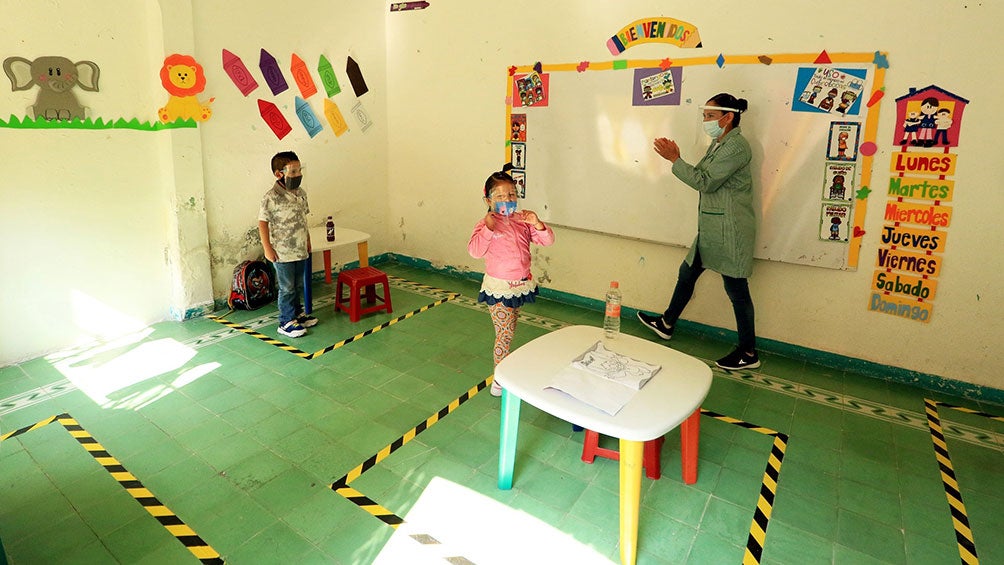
pixel 737 289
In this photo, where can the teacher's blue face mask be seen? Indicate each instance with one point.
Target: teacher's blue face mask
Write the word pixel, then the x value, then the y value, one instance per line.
pixel 505 208
pixel 712 128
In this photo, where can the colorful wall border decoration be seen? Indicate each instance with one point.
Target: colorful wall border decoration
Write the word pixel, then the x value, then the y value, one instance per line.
pixel 516 124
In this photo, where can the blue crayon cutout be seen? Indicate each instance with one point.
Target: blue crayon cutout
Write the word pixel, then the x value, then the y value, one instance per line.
pixel 307 117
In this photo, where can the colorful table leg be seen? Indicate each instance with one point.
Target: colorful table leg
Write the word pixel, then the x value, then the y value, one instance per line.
pixel 327 266
pixel 508 428
pixel 690 432
pixel 630 468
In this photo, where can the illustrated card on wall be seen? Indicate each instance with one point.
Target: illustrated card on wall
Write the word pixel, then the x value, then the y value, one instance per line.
pixel 530 90
pixel 843 142
pixel 835 222
pixel 518 155
pixel 657 87
pixel 519 177
pixel 518 127
pixel 929 117
pixel 829 90
pixel 838 181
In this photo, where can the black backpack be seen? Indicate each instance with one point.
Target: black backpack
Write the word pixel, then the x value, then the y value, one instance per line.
pixel 253 286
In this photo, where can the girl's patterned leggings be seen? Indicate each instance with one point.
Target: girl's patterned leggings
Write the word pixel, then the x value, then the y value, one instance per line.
pixel 504 319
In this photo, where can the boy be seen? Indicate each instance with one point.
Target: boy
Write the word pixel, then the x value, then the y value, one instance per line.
pixel 282 225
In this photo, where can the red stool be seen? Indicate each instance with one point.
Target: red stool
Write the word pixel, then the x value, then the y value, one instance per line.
pixel 358 279
pixel 689 435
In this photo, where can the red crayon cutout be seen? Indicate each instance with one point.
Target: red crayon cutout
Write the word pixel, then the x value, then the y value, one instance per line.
pixel 302 77
pixel 274 118
pixel 270 70
pixel 238 73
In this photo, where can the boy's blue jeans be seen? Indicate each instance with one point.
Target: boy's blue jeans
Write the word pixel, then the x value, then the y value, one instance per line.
pixel 290 275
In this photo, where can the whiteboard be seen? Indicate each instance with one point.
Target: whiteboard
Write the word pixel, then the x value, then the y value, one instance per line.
pixel 589 162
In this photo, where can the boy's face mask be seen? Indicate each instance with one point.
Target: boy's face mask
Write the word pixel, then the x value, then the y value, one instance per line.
pixel 293 183
pixel 505 208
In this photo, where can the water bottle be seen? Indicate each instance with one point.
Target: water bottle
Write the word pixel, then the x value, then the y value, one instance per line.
pixel 612 319
pixel 330 225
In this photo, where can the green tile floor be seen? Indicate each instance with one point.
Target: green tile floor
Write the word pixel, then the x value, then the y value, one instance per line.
pixel 240 440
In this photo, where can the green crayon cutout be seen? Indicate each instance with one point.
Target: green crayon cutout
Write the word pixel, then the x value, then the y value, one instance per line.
pixel 328 78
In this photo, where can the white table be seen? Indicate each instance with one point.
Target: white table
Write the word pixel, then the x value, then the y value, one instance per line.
pixel 671 398
pixel 319 242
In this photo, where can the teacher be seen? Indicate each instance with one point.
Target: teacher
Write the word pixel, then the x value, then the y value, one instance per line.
pixel 726 227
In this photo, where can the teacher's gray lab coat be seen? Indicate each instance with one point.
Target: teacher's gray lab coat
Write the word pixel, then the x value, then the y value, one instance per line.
pixel 726 228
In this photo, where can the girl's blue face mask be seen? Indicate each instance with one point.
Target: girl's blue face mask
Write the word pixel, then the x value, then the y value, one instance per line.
pixel 505 208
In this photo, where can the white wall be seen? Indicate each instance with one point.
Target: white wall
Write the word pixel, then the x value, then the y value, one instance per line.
pixel 446 88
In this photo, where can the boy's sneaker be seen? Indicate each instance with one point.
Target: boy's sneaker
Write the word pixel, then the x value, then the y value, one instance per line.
pixel 656 324
pixel 306 320
pixel 292 329
pixel 496 389
pixel 739 360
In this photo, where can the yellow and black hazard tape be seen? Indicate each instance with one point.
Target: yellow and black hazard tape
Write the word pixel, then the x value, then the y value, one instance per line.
pixel 969 411
pixel 181 531
pixel 286 347
pixel 352 495
pixel 963 533
pixel 386 324
pixel 768 487
pixel 267 339
pixel 26 429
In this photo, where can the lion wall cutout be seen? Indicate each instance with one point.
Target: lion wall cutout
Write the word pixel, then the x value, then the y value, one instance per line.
pixel 183 78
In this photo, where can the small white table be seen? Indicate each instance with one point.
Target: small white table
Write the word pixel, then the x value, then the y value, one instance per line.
pixel 671 398
pixel 319 242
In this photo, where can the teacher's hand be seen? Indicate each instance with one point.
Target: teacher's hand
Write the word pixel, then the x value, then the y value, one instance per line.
pixel 667 149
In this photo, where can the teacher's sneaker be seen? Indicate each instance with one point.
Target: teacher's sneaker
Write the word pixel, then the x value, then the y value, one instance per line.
pixel 306 320
pixel 656 324
pixel 739 360
pixel 292 329
pixel 496 389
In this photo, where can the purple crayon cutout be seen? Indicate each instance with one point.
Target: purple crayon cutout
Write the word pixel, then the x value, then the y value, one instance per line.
pixel 238 73
pixel 273 76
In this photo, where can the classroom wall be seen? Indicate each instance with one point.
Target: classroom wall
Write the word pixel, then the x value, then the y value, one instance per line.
pixel 107 231
pixel 446 87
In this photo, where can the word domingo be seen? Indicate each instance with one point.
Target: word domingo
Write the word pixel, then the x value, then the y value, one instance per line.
pixel 664 30
pixel 910 286
pixel 922 189
pixel 924 163
pixel 911 262
pixel 914 239
pixel 918 214
pixel 902 308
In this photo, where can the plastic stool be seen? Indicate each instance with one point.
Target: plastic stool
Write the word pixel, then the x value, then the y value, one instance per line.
pixel 690 430
pixel 357 280
pixel 650 459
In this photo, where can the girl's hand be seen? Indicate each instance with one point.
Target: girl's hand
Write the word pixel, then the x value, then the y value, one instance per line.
pixel 490 221
pixel 529 217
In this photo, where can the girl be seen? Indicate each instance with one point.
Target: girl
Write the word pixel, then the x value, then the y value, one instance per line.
pixel 503 238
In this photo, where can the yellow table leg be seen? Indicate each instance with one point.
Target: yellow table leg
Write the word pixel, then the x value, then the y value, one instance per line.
pixel 631 462
pixel 364 253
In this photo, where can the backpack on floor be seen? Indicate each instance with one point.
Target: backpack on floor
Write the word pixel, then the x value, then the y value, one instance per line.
pixel 253 286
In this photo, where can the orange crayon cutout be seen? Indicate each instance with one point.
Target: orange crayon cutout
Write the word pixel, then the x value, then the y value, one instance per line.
pixel 274 118
pixel 238 73
pixel 302 77
pixel 334 116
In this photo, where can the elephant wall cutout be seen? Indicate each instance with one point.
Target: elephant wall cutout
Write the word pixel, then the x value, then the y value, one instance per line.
pixel 56 79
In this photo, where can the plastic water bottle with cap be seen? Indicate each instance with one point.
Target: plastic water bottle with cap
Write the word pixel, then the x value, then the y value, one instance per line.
pixel 330 227
pixel 612 319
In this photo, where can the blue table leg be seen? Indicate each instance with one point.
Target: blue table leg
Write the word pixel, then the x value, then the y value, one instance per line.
pixel 308 271
pixel 508 429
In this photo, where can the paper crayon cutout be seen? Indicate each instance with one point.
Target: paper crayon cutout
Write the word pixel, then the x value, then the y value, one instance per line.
pixel 270 70
pixel 335 119
pixel 307 117
pixel 328 78
pixel 274 118
pixel 238 73
pixel 362 116
pixel 355 77
pixel 302 77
